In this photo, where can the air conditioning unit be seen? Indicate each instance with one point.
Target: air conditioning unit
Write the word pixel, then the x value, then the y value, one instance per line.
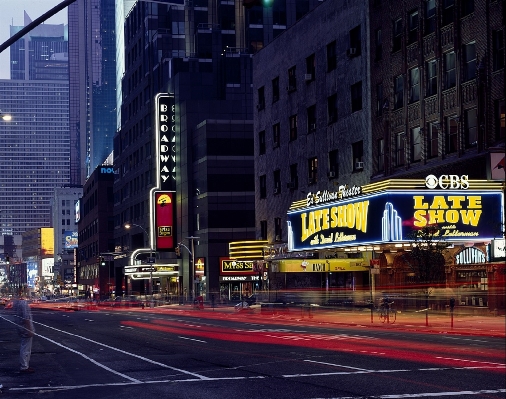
pixel 277 238
pixel 308 77
pixel 290 88
pixel 312 126
pixel 290 185
pixel 277 190
pixel 332 174
pixel 352 51
pixel 359 165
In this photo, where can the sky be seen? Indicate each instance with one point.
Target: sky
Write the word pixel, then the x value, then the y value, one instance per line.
pixel 12 14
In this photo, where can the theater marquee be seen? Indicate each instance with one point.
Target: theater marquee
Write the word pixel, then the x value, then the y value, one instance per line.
pixel 390 215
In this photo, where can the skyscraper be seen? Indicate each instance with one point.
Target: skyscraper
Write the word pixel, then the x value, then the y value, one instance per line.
pixel 92 73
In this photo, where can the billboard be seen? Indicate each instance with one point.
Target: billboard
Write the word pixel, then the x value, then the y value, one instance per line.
pixel 164 220
pixel 46 241
pixel 31 273
pixel 47 267
pixel 70 239
pixel 388 217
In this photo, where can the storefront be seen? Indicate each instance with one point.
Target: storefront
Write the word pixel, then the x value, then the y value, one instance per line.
pixel 239 279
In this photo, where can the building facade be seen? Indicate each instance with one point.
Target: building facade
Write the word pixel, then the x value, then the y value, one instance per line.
pixel 92 76
pixel 34 151
pixel 96 274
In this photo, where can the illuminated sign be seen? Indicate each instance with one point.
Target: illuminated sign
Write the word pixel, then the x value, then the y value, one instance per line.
pixel 166 142
pixel 497 165
pixel 451 182
pixel 199 266
pixel 391 217
pixel 236 266
pixel 321 265
pixel 47 241
pixel 106 170
pixel 78 211
pixel 164 220
pixel 71 239
pixel 47 267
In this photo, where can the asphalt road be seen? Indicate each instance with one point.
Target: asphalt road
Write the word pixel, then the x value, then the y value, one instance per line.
pixel 179 353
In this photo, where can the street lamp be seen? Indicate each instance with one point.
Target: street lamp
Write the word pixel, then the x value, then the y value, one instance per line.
pixel 192 271
pixel 128 226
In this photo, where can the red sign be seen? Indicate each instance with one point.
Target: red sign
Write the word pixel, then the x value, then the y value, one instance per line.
pixel 164 220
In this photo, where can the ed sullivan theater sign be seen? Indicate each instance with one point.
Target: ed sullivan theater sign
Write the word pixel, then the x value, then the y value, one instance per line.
pixel 389 211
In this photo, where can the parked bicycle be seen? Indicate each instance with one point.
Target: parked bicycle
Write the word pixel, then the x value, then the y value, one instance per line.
pixel 387 312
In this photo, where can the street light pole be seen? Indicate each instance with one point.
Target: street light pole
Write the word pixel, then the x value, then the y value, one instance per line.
pixel 128 226
pixel 192 270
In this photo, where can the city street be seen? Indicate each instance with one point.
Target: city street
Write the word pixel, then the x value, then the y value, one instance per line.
pixel 180 352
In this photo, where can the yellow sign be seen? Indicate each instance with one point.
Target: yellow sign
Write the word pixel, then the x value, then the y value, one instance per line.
pixel 322 265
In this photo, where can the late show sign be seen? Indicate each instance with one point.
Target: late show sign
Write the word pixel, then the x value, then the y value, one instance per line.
pixel 391 217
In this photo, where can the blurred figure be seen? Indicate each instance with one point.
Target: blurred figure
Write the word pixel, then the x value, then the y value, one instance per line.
pixel 26 331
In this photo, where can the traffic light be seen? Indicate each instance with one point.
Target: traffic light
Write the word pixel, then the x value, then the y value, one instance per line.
pixel 178 251
pixel 102 261
pixel 7 258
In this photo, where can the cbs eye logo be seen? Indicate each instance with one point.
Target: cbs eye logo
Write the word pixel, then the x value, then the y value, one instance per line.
pixel 447 181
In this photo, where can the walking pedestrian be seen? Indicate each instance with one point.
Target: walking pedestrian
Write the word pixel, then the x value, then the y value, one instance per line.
pixel 26 331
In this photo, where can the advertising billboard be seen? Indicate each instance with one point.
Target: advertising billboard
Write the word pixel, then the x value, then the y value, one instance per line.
pixel 388 217
pixel 47 267
pixel 164 220
pixel 47 241
pixel 31 273
pixel 71 240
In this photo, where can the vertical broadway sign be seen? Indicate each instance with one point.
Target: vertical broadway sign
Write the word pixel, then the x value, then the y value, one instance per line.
pixel 163 197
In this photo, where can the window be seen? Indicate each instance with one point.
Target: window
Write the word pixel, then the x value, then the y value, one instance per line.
pixel 276 134
pixel 378 55
pixel 469 59
pixel 416 145
pixel 500 119
pixel 379 99
pixel 332 108
pixel 292 79
pixel 278 231
pixel 498 50
pixel 467 7
pixel 355 41
pixel 414 85
pixel 277 181
pixel 294 177
pixel 413 27
pixel 331 56
pixel 293 127
pixel 398 92
pixel 333 164
pixel 310 68
pixel 430 16
pixel 380 145
pixel 449 70
pixel 400 145
pixel 312 166
pixel 261 142
pixel 311 119
pixel 356 97
pixel 448 11
pixel 263 229
pixel 358 155
pixel 397 35
pixel 263 186
pixel 451 139
pixel 275 89
pixel 470 128
pixel 261 98
pixel 432 139
pixel 431 78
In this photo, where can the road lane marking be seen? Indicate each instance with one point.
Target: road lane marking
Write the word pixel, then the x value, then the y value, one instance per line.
pixel 336 365
pixel 193 339
pixel 202 377
pixel 427 394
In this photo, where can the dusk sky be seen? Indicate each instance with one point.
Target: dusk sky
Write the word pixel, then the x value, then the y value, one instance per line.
pixel 12 14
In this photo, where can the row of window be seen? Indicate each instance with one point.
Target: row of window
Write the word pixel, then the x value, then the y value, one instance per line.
pixel 312 170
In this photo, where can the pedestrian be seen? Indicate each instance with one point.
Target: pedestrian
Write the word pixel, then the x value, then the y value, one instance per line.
pixel 26 331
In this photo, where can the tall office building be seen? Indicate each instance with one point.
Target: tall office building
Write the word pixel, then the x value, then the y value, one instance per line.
pixel 42 54
pixel 92 73
pixel 200 51
pixel 34 151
